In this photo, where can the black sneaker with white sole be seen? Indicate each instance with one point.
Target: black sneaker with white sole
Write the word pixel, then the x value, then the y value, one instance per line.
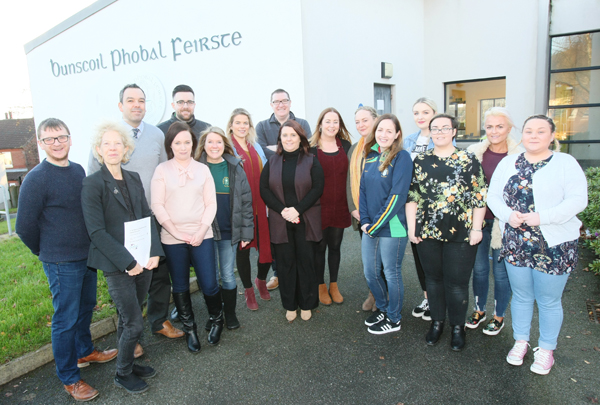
pixel 421 309
pixel 375 318
pixel 385 326
pixel 426 315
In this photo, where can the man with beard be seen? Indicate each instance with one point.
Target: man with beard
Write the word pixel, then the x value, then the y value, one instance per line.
pixel 184 105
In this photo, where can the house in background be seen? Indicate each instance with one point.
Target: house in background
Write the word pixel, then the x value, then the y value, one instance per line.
pixel 18 148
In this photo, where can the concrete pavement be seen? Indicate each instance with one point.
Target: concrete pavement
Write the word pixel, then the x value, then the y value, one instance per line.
pixel 332 358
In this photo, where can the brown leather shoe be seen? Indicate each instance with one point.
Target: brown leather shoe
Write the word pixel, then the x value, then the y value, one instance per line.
pixel 324 297
pixel 170 331
pixel 139 351
pixel 81 391
pixel 97 357
pixel 335 293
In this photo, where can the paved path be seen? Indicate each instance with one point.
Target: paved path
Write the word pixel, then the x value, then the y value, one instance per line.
pixel 332 359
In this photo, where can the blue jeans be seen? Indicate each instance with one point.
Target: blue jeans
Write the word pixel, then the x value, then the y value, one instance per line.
pixel 481 275
pixel 73 288
pixel 128 294
pixel 225 252
pixel 202 258
pixel 529 285
pixel 387 252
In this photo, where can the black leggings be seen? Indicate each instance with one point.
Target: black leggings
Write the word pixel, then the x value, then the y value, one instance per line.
pixel 332 239
pixel 242 260
pixel 419 266
pixel 448 267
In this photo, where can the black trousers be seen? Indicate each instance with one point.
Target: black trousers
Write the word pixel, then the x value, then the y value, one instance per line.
pixel 448 267
pixel 419 266
pixel 332 239
pixel 298 283
pixel 242 261
pixel 159 294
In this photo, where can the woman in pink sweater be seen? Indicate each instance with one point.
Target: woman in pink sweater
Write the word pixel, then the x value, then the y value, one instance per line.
pixel 185 203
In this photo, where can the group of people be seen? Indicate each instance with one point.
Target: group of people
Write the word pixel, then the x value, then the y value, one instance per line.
pixel 209 196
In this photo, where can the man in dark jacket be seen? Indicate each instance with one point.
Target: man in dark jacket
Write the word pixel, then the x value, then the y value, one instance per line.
pixel 184 105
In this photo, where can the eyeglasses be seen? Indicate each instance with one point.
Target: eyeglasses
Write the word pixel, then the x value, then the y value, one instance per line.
pixel 443 130
pixel 51 139
pixel 285 101
pixel 182 103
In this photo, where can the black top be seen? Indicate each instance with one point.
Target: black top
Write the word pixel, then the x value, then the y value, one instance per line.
pixel 125 192
pixel 288 174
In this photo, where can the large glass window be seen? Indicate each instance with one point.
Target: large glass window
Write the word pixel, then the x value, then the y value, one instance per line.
pixel 574 95
pixel 469 100
pixel 7 159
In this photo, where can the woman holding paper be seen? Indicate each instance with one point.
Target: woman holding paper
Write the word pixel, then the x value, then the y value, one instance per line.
pixel 111 198
pixel 185 204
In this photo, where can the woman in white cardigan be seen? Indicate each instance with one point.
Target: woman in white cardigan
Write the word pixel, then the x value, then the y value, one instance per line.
pixel 536 196
pixel 490 151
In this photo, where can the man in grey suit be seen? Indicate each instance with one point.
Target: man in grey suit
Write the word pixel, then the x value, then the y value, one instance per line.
pixel 149 152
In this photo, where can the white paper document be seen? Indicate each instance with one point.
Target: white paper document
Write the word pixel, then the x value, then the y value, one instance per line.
pixel 138 240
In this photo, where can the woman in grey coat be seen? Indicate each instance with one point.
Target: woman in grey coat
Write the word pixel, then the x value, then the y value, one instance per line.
pixel 233 223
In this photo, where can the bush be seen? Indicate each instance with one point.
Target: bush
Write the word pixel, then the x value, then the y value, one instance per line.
pixel 591 216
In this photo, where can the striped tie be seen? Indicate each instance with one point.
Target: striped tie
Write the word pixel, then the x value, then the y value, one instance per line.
pixel 136 132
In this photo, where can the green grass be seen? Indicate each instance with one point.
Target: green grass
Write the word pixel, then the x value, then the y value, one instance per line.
pixel 4 226
pixel 26 303
pixel 12 210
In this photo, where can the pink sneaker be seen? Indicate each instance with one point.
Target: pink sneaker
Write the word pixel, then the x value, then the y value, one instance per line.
pixel 544 360
pixel 516 354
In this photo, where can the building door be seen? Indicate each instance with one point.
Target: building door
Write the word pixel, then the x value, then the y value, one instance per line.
pixel 383 98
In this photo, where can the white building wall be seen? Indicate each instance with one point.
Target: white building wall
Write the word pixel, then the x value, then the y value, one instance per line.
pixel 573 16
pixel 223 78
pixel 473 39
pixel 345 42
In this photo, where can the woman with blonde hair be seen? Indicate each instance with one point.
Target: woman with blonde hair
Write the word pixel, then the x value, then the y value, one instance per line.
pixel 419 142
pixel 234 222
pixel 364 118
pixel 383 191
pixel 242 134
pixel 496 145
pixel 110 198
pixel 330 144
pixel 537 195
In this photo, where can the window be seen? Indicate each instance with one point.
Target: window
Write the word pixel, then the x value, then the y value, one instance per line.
pixel 469 100
pixel 574 94
pixel 7 159
pixel 485 105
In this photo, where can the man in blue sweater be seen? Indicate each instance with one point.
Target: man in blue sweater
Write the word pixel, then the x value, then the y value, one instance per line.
pixel 50 223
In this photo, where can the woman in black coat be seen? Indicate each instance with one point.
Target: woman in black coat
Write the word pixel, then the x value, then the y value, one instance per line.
pixel 110 198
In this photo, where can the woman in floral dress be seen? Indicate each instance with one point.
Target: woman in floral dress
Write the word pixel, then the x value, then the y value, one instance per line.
pixel 445 210
pixel 536 195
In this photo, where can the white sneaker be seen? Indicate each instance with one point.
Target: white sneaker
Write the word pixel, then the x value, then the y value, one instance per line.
pixel 420 309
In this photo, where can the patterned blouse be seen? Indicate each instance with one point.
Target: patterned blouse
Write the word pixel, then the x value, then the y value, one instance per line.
pixel 525 246
pixel 446 191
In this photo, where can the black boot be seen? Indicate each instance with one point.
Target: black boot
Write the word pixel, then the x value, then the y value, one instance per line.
pixel 435 331
pixel 183 303
pixel 458 337
pixel 215 311
pixel 229 302
pixel 175 315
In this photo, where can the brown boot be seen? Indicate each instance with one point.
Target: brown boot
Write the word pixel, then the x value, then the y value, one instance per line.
pixel 324 297
pixel 369 302
pixel 335 293
pixel 81 391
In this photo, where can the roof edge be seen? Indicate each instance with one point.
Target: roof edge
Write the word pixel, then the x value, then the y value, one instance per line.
pixel 68 23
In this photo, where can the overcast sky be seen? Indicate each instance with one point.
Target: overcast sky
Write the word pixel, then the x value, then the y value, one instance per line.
pixel 25 20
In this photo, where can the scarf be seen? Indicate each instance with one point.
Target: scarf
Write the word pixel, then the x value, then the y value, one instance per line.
pixel 252 165
pixel 357 164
